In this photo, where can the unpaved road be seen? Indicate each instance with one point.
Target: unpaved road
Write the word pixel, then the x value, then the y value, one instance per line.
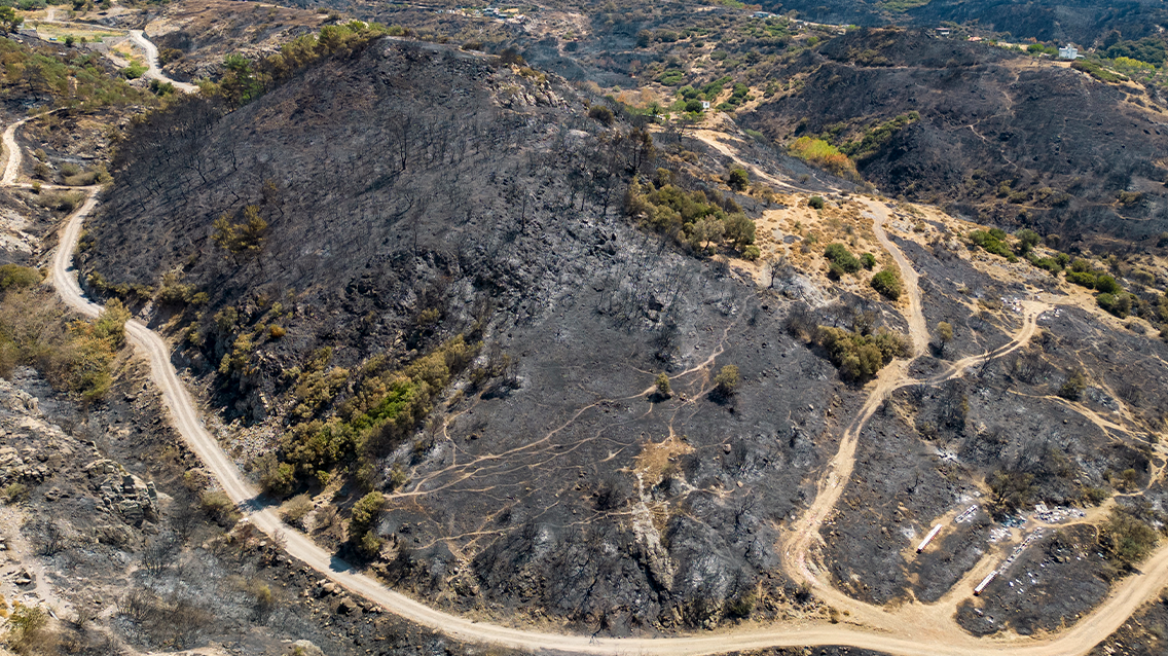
pixel 897 635
pixel 155 71
pixel 12 166
pixel 917 329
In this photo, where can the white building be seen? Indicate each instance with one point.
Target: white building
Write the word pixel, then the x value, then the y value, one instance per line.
pixel 1069 52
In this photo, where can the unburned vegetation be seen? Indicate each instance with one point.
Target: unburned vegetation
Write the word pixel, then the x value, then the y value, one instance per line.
pixel 36 330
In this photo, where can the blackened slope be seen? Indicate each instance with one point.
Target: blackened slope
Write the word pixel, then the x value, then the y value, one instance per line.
pixel 1066 143
pixel 528 497
pixel 1081 21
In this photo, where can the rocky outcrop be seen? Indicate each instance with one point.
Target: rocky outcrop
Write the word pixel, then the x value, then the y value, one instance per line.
pixel 122 492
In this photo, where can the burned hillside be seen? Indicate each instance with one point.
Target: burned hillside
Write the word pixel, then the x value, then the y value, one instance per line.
pixel 415 200
pixel 985 133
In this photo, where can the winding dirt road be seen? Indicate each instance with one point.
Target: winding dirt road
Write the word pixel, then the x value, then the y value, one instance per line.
pixel 884 631
pixel 154 71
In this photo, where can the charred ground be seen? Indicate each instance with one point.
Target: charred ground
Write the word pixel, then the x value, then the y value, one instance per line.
pixel 998 138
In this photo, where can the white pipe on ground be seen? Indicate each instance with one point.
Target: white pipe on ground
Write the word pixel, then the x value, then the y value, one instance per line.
pixel 984 582
pixel 929 538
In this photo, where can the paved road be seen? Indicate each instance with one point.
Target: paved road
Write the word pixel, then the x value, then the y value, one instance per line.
pixel 911 639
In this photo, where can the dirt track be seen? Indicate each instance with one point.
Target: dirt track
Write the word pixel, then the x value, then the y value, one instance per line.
pixel 911 632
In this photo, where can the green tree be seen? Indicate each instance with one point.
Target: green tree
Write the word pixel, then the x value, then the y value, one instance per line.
pixel 9 21
pixel 739 230
pixel 738 179
pixel 1127 539
pixel 887 283
pixel 726 382
pixel 1027 240
pixel 663 388
pixel 944 335
pixel 365 513
pixel 1073 388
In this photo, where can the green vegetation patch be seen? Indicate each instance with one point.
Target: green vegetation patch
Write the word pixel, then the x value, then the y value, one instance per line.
pixel 993 241
pixel 887 283
pixel 860 356
pixel 901 6
pixel 71 79
pixel 824 155
pixel 877 135
pixel 842 260
pixel 74 355
pixel 384 410
pixel 692 217
pixel 1098 72
pixel 244 80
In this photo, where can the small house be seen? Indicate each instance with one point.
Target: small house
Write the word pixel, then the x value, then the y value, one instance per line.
pixel 1069 52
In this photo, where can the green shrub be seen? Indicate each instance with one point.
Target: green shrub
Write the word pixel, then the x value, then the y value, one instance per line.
pixel 276 478
pixel 1126 539
pixel 1107 285
pixel 15 492
pixel 663 388
pixel 74 355
pixel 1094 495
pixel 386 407
pixel 993 241
pixel 738 179
pixel 1073 388
pixel 370 544
pixel 868 260
pixel 1011 491
pixel 61 201
pixel 26 628
pixel 1048 263
pixel 877 136
pixel 365 514
pixel 839 255
pixel 219 507
pixel 296 509
pixel 1027 240
pixel 1118 304
pixel 602 113
pixel 20 277
pixel 887 283
pixel 134 71
pixel 1082 278
pixel 246 237
pixel 1098 72
pixel 859 356
pixel 823 154
pixel 751 253
pixel 726 382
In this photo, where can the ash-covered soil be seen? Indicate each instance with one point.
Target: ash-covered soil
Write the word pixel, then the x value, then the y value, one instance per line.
pixel 933 450
pixel 413 178
pixel 1064 143
pixel 107 530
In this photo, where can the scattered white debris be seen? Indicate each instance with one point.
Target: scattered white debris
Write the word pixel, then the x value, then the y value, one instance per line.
pixel 1056 514
pixel 967 514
